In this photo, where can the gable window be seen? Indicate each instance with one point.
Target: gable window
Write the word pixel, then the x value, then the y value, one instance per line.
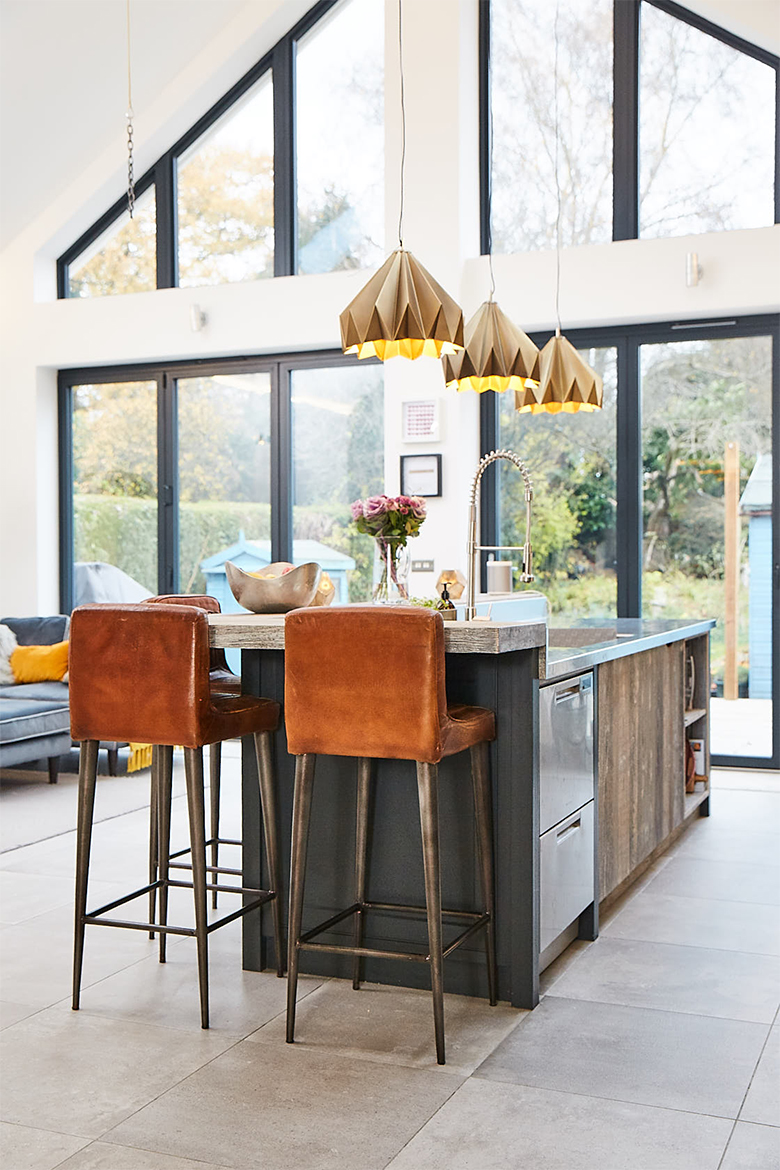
pixel 283 175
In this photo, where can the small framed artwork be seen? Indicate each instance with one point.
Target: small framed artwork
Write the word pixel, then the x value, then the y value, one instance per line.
pixel 421 475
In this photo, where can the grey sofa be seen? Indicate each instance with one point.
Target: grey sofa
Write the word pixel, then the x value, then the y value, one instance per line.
pixel 35 717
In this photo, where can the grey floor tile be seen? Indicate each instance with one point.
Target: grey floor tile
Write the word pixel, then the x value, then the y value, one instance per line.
pixel 753 1147
pixel 300 1108
pixel 12 1013
pixel 394 1025
pixel 37 956
pixel 25 1148
pixel 716 839
pixel 151 992
pixel 704 982
pixel 26 895
pixel 78 1074
pixel 102 1156
pixel 487 1126
pixel 729 881
pixel 745 779
pixel 668 1059
pixel 763 1100
pixel 700 922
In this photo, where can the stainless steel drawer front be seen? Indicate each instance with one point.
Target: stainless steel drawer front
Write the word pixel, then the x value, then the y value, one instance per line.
pixel 566 879
pixel 565 748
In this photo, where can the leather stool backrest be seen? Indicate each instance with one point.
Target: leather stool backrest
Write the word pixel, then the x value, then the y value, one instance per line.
pixel 365 681
pixel 202 601
pixel 139 673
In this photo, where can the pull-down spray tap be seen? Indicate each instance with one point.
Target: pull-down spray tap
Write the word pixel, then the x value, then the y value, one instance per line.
pixel 473 549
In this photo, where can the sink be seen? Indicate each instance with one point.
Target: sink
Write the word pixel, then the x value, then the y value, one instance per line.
pixel 527 605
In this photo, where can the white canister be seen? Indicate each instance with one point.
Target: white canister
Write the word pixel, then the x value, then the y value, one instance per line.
pixel 499 576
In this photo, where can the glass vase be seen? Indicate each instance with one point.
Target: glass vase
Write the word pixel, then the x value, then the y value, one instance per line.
pixel 391 572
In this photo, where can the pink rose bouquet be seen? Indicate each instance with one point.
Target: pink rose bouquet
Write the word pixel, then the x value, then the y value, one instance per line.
pixel 389 518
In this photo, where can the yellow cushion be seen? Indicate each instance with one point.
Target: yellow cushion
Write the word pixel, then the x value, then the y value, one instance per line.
pixel 32 664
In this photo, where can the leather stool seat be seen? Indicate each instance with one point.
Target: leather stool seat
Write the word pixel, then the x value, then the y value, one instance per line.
pixel 142 673
pixel 369 682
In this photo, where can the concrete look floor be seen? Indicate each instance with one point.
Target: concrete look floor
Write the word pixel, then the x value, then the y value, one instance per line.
pixel 655 1048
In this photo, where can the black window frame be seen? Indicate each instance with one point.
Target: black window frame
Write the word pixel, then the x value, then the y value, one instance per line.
pixel 625 106
pixel 280 367
pixel 627 340
pixel 280 62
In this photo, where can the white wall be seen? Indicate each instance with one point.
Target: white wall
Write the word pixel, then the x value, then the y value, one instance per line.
pixel 624 282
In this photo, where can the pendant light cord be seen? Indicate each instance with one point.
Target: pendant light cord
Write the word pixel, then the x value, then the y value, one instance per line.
pixel 129 117
pixel 490 176
pixel 557 183
pixel 403 125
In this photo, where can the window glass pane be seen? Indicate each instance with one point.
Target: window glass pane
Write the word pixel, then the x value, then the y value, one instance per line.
pixel 226 196
pixel 123 259
pixel 571 458
pixel 115 490
pixel 523 99
pixel 340 139
pixel 224 480
pixel 707 132
pixel 338 457
pixel 697 397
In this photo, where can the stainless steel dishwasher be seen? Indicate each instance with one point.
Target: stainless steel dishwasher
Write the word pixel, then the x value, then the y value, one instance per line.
pixel 566 779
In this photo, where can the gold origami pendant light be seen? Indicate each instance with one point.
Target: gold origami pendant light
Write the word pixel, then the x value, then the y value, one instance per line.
pixel 402 311
pixel 567 383
pixel 498 356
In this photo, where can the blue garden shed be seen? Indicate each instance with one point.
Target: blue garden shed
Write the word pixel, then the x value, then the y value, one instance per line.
pixel 756 504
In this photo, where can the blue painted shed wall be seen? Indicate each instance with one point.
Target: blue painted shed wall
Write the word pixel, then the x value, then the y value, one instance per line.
pixel 760 606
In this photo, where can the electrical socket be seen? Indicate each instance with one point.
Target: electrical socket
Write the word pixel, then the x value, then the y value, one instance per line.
pixel 422 566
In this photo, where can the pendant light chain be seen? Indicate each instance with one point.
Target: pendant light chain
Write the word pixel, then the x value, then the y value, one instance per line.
pixel 403 124
pixel 557 182
pixel 129 117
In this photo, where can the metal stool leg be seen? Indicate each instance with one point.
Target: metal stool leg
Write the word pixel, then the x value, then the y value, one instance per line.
pixel 428 791
pixel 193 764
pixel 164 792
pixel 88 759
pixel 265 772
pixel 361 852
pixel 304 783
pixel 215 772
pixel 483 810
pixel 154 821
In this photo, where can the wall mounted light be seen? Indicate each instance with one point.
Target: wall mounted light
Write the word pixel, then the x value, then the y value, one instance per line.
pixel 693 270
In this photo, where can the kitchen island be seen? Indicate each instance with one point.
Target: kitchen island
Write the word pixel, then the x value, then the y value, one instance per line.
pixel 505 666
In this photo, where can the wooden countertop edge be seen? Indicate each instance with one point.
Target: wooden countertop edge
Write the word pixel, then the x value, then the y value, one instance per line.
pixel 266 632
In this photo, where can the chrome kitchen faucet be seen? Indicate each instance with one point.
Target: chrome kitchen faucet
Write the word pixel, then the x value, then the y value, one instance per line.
pixel 473 548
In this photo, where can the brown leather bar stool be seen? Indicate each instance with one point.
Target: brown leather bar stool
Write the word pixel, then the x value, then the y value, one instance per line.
pixel 141 673
pixel 369 682
pixel 222 681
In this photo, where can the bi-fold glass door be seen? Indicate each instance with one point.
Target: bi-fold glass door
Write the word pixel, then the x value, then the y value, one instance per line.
pixel 169 472
pixel 664 504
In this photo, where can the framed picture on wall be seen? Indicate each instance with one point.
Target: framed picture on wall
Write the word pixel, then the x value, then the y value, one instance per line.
pixel 421 475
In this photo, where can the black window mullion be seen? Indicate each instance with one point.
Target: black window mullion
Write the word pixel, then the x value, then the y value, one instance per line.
pixel 285 210
pixel 629 480
pixel 167 486
pixel 281 464
pixel 65 473
pixel 625 121
pixel 165 203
